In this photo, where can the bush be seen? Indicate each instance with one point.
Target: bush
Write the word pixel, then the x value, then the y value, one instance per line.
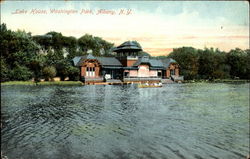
pixel 62 68
pixel 73 73
pixel 4 71
pixel 49 72
pixel 20 73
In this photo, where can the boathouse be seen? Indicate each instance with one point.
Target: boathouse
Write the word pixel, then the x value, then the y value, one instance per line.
pixel 96 69
pixel 126 66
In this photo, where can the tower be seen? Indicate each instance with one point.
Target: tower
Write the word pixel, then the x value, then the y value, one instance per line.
pixel 128 52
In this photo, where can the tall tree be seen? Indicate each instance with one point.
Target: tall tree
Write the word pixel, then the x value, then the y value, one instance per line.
pixel 187 58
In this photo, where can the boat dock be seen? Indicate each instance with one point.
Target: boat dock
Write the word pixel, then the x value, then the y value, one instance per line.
pixel 119 82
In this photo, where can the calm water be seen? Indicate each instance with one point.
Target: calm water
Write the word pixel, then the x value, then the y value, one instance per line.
pixel 104 122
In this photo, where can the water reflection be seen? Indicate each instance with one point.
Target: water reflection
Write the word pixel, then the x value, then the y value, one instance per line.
pixel 175 121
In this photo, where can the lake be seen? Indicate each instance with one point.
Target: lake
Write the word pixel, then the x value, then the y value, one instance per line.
pixel 177 121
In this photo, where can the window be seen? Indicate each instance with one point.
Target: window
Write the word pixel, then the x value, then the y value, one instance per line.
pixel 172 72
pixel 126 74
pixel 90 72
pixel 159 73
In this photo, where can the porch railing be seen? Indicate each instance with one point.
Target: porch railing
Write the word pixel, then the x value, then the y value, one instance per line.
pixel 92 79
pixel 177 78
pixel 131 79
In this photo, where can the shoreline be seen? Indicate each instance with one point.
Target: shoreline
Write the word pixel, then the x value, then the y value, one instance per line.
pixel 218 81
pixel 78 83
pixel 42 83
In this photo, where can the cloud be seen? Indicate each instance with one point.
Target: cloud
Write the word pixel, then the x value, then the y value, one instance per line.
pixel 158 51
pixel 157 29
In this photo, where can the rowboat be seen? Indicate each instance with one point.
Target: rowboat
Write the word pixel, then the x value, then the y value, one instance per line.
pixel 146 85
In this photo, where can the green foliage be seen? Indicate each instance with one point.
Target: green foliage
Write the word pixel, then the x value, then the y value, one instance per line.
pixel 4 71
pixel 57 40
pixel 73 73
pixel 62 67
pixel 17 45
pixel 44 41
pixel 97 45
pixel 49 72
pixel 239 62
pixel 187 58
pixel 59 83
pixel 20 73
pixel 24 56
pixel 36 66
pixel 212 63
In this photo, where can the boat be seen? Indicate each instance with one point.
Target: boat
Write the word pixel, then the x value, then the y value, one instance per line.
pixel 146 85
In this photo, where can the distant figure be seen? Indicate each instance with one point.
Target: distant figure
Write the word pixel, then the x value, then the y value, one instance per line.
pixel 221 27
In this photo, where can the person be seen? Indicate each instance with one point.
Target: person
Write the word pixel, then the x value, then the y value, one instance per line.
pixel 104 78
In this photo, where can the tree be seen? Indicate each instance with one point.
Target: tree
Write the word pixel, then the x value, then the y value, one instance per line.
pixel 36 66
pixel 4 70
pixel 17 45
pixel 44 40
pixel 73 73
pixel 71 46
pixel 187 58
pixel 20 73
pixel 49 72
pixel 212 64
pixel 247 62
pixel 94 44
pixel 57 40
pixel 62 68
pixel 239 63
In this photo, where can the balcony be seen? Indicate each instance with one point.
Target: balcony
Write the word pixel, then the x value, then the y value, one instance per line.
pixel 138 79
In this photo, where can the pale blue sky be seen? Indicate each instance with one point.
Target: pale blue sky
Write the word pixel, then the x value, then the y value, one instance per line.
pixel 156 24
pixel 235 11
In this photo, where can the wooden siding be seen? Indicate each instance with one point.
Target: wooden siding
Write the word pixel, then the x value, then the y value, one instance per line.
pixel 130 62
pixel 90 64
pixel 174 67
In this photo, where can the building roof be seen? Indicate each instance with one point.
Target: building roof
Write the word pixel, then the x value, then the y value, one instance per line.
pixel 154 63
pixel 167 62
pixel 151 62
pixel 128 46
pixel 109 61
pixel 104 61
pixel 79 59
pixel 76 60
pixel 112 62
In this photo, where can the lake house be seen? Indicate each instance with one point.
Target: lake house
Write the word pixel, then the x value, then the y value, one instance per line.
pixel 126 66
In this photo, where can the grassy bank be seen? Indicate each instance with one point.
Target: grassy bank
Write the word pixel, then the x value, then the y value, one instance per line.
pixel 219 81
pixel 232 80
pixel 42 83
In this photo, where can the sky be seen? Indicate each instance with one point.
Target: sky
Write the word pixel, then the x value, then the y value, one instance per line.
pixel 159 26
